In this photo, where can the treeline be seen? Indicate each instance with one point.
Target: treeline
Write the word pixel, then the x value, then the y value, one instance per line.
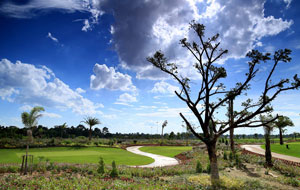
pixel 72 132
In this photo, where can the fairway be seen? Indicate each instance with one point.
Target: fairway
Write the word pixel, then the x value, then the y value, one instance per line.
pixel 76 155
pixel 294 149
pixel 170 151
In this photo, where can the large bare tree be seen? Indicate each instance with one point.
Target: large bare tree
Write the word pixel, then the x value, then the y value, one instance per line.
pixel 213 95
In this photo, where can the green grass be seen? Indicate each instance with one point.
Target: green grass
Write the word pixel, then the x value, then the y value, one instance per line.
pixel 170 151
pixel 76 155
pixel 294 149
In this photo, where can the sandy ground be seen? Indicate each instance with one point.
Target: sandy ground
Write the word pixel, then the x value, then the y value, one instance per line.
pixel 257 149
pixel 160 161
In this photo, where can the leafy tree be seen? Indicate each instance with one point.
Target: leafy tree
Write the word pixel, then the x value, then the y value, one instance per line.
pixel 91 121
pixel 162 128
pixel 281 123
pixel 212 93
pixel 30 120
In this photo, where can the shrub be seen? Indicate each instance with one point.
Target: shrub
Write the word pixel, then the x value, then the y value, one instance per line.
pixel 208 168
pixel 134 141
pixel 114 171
pixel 198 167
pixel 101 166
pixel 225 155
pixel 230 156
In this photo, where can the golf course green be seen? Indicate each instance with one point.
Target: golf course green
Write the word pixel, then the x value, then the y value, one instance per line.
pixel 294 149
pixel 76 155
pixel 170 151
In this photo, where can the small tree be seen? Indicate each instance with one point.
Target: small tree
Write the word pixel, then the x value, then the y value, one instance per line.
pixel 30 119
pixel 91 121
pixel 100 169
pixel 268 129
pixel 212 93
pixel 281 123
pixel 162 128
pixel 114 171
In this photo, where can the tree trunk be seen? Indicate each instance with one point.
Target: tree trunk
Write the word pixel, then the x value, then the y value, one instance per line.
pixel 230 110
pixel 280 136
pixel 268 154
pixel 214 172
pixel 162 133
pixel 90 134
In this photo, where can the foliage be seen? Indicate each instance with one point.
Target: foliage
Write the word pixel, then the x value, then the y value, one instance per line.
pixel 198 167
pixel 114 171
pixel 101 166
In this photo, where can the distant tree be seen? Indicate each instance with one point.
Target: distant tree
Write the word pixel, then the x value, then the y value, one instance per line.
pixel 162 128
pixel 281 123
pixel 105 131
pixel 91 121
pixel 172 135
pixel 62 129
pixel 213 95
pixel 30 119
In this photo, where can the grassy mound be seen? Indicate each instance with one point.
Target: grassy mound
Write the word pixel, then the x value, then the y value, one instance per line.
pixel 76 155
pixel 170 151
pixel 293 150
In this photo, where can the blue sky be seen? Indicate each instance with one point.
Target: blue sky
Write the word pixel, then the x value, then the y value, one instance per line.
pixel 88 57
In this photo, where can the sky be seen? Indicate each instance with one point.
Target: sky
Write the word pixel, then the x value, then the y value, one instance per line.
pixel 79 58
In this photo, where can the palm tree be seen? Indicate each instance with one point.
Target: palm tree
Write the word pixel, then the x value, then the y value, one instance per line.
pixel 91 121
pixel 62 128
pixel 162 128
pixel 268 129
pixel 30 120
pixel 281 123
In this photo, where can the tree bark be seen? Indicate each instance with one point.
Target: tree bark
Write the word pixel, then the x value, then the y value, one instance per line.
pixel 214 173
pixel 268 154
pixel 280 136
pixel 231 132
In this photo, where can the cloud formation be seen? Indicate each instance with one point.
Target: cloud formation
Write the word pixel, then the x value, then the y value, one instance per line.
pixel 27 84
pixel 109 78
pixel 126 99
pixel 52 37
pixel 165 88
pixel 146 26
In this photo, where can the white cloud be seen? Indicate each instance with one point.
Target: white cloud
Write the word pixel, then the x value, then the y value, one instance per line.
pixel 109 78
pixel 27 84
pixel 34 7
pixel 52 37
pixel 288 3
pixel 86 25
pixel 51 115
pixel 167 112
pixel 159 25
pixel 80 90
pixel 126 99
pixel 165 88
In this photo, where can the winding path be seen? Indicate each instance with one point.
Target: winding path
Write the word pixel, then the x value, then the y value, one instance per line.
pixel 257 149
pixel 160 161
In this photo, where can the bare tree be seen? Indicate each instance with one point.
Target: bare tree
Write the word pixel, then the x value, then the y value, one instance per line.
pixel 213 95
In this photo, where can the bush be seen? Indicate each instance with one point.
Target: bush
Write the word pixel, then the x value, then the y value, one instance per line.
pixel 198 167
pixel 114 171
pixel 208 168
pixel 225 155
pixel 100 169
pixel 230 156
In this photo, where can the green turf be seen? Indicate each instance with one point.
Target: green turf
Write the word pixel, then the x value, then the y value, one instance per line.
pixel 170 151
pixel 76 155
pixel 294 149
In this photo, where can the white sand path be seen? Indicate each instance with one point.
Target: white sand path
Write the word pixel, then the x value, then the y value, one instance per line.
pixel 160 161
pixel 257 149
